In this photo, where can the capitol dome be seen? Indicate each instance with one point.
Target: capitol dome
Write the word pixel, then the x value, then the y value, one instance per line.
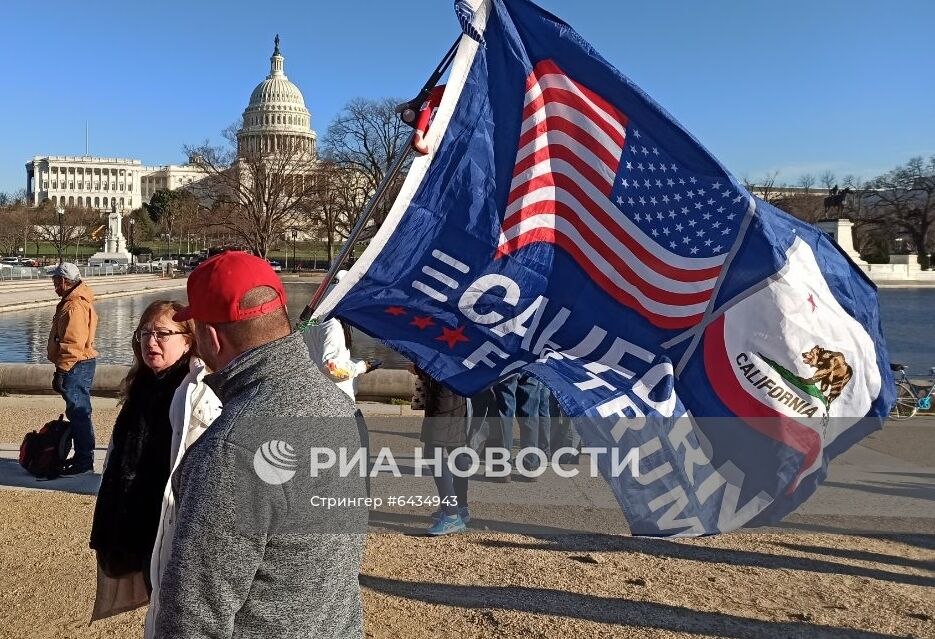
pixel 276 117
pixel 276 89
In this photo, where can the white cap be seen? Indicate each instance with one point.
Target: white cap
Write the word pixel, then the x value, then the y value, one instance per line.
pixel 340 275
pixel 67 270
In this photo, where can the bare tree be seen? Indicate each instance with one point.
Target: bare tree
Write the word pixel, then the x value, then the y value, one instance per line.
pixel 807 181
pixel 807 208
pixel 62 230
pixel 903 201
pixel 827 179
pixel 873 242
pixel 181 216
pixel 256 195
pixel 766 188
pixel 853 182
pixel 339 198
pixel 229 133
pixel 12 198
pixel 367 136
pixel 15 229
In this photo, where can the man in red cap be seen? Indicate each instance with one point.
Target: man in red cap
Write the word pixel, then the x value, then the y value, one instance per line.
pixel 243 561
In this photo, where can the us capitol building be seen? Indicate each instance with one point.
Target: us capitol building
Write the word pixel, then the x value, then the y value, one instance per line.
pixel 275 118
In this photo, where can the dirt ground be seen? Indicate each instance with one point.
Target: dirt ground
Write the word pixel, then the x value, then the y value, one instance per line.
pixel 497 585
pixel 23 413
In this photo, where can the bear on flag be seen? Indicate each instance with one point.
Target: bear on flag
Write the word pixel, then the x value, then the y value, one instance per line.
pixel 564 224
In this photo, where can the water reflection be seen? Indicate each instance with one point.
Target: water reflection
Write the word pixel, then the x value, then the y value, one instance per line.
pixel 908 316
pixel 907 323
pixel 24 334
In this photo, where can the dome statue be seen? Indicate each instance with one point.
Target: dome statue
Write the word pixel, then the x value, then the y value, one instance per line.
pixel 276 118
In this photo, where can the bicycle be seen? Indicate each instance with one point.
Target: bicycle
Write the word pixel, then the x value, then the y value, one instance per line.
pixel 910 398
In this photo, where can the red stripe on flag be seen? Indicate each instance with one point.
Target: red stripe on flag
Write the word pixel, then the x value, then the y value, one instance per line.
pixel 582 136
pixel 591 240
pixel 645 255
pixel 573 101
pixel 547 67
pixel 552 236
pixel 560 152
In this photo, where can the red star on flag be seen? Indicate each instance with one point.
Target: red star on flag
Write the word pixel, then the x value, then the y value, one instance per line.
pixel 422 322
pixel 395 311
pixel 452 336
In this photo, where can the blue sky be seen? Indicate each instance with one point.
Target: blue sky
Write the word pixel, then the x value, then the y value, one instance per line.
pixel 794 87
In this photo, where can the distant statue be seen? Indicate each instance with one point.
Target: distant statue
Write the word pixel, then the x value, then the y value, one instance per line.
pixel 837 199
pixel 276 49
pixel 113 220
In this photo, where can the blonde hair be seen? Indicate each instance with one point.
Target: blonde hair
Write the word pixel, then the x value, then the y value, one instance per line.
pixel 157 309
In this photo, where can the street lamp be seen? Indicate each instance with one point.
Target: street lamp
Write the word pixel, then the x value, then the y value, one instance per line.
pixel 25 232
pixel 132 224
pixel 295 235
pixel 61 230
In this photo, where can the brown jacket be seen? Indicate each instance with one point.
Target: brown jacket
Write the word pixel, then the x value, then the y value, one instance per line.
pixel 71 339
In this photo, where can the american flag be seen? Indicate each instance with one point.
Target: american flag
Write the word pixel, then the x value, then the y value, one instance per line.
pixel 649 231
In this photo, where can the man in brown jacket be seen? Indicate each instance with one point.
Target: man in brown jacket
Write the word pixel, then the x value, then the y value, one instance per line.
pixel 71 349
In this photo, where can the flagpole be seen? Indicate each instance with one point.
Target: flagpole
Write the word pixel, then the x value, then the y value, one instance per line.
pixel 397 165
pixel 408 112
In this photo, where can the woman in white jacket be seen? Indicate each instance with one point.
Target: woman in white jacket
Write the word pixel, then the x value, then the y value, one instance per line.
pixel 329 348
pixel 194 407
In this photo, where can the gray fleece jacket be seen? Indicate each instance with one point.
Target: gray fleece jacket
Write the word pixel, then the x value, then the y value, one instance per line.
pixel 243 563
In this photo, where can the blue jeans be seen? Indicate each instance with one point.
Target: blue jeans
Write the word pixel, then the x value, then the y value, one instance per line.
pixel 527 398
pixel 505 394
pixel 545 419
pixel 76 391
pixel 449 485
pixel 528 393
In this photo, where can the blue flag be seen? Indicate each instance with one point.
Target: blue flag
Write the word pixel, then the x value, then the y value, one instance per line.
pixel 564 224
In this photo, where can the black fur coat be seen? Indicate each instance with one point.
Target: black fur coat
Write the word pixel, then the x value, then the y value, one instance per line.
pixel 126 517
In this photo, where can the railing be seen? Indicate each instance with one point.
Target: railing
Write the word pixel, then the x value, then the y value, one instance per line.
pixel 10 273
pixel 110 269
pixel 14 273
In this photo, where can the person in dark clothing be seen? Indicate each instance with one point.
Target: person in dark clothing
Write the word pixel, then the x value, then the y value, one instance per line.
pixel 126 515
pixel 484 412
pixel 445 429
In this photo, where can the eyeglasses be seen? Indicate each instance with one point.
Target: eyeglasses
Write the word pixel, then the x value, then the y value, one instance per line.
pixel 161 336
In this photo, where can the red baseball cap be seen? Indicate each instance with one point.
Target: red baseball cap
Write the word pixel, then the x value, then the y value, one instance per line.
pixel 217 286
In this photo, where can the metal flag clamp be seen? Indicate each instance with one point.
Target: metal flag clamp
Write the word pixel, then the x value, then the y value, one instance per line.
pixel 415 113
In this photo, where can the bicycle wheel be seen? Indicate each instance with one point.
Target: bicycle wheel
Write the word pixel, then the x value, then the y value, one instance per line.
pixel 906 404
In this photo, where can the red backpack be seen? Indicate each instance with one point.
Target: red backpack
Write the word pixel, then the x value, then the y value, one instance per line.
pixel 43 452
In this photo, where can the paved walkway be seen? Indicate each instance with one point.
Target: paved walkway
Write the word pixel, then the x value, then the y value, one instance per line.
pixel 26 294
pixel 884 484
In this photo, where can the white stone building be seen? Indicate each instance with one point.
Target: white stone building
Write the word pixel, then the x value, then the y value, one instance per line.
pixel 84 181
pixel 101 183
pixel 168 177
pixel 275 117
